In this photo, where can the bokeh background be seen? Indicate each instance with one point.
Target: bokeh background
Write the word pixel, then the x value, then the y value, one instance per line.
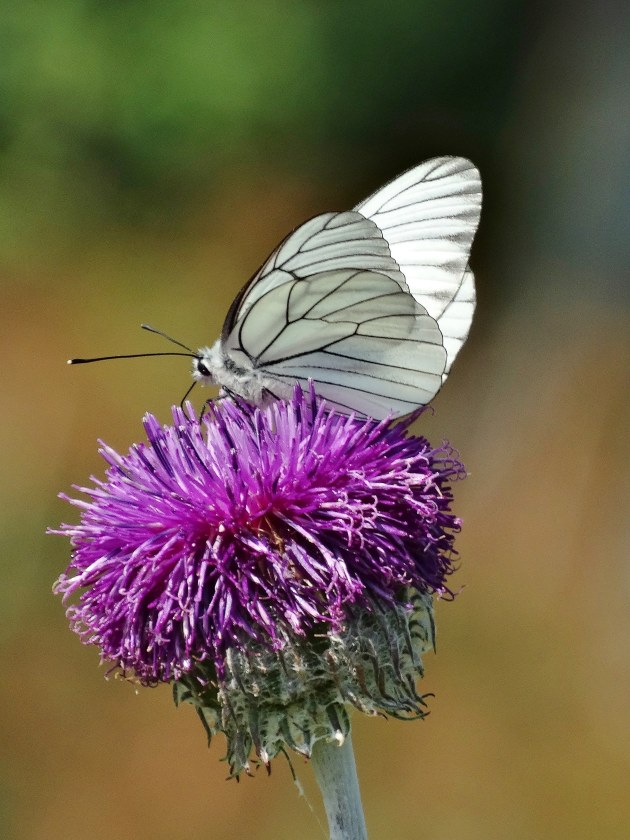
pixel 151 155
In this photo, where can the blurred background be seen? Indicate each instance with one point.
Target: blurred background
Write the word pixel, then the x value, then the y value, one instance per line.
pixel 151 155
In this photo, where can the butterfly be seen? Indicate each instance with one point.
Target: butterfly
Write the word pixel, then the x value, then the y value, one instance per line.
pixel 372 304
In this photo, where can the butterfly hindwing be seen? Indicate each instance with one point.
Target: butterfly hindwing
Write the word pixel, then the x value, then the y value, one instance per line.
pixel 368 345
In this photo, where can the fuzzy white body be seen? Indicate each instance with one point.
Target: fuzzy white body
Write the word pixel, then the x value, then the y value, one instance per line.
pixel 242 379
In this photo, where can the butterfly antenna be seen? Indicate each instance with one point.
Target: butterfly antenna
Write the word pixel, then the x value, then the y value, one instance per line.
pixel 167 337
pixel 126 356
pixel 188 354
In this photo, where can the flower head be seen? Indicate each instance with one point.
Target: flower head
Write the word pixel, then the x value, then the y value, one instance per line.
pixel 264 536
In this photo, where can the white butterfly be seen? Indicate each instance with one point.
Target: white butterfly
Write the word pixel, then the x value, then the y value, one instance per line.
pixel 372 304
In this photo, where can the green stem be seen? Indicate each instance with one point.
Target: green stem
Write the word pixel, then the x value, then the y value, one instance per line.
pixel 336 775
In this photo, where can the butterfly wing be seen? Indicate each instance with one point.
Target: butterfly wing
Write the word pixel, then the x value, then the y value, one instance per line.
pixel 429 216
pixel 327 242
pixel 368 345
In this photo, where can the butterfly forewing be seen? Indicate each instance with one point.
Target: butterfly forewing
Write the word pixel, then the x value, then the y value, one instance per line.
pixel 429 216
pixel 324 243
pixel 454 322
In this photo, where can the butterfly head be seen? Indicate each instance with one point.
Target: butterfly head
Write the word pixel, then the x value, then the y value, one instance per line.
pixel 206 363
pixel 236 376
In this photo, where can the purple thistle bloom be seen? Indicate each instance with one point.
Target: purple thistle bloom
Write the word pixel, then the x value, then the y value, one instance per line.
pixel 251 527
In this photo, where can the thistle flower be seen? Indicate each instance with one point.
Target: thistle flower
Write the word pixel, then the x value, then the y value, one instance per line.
pixel 276 565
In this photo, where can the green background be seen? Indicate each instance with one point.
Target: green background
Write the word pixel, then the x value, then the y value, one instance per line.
pixel 151 155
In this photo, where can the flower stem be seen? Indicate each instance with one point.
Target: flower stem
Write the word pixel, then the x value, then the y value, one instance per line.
pixel 336 775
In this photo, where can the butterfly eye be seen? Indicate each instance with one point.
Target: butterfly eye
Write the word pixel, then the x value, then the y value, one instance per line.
pixel 202 369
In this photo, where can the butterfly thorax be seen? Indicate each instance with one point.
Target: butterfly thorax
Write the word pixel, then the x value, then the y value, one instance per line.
pixel 212 366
